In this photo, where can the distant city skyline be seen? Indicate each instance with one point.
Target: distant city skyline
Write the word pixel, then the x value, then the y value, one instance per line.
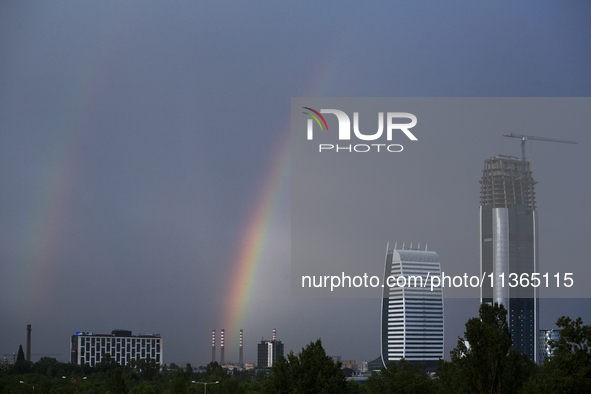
pixel 146 164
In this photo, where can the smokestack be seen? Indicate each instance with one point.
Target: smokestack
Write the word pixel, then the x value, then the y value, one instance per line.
pixel 240 359
pixel 274 334
pixel 213 345
pixel 222 348
pixel 28 356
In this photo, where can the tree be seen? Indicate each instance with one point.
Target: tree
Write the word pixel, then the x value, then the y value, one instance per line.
pixel 106 364
pixel 260 375
pixel 311 371
pixel 569 368
pixel 572 353
pixel 228 386
pixel 148 368
pixel 143 388
pixel 401 377
pixel 21 366
pixel 47 366
pixel 189 372
pixel 21 355
pixel 179 383
pixel 214 369
pixel 253 387
pixel 482 361
pixel 116 382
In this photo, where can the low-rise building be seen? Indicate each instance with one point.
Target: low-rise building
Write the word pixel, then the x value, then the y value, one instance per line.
pixel 90 348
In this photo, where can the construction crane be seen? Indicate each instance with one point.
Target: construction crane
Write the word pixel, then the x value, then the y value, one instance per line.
pixel 533 138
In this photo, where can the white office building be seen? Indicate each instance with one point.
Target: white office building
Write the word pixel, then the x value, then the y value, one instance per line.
pixel 412 314
pixel 90 348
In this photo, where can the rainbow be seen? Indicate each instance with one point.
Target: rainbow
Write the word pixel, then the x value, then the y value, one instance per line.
pixel 255 238
pixel 41 248
pixel 255 234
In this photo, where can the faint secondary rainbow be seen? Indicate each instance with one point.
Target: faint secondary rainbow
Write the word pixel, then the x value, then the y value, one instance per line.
pixel 42 246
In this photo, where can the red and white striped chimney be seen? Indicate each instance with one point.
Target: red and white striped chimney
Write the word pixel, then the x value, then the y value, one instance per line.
pixel 222 347
pixel 274 334
pixel 213 345
pixel 240 358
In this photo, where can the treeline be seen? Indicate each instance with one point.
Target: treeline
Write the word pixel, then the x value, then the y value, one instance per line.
pixel 139 377
pixel 482 362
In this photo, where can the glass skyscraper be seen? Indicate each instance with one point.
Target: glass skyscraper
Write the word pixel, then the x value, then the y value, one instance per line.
pixel 412 314
pixel 544 338
pixel 508 245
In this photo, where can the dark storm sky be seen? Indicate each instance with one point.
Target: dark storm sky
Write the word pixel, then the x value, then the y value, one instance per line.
pixel 136 139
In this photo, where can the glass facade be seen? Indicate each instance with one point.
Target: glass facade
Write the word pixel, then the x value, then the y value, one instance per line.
pixel 508 245
pixel 90 348
pixel 544 338
pixel 412 315
pixel 268 352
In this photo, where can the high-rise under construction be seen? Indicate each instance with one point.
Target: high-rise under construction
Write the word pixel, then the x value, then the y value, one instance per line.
pixel 509 245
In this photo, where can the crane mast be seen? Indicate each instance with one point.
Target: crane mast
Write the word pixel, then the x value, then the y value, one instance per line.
pixel 532 138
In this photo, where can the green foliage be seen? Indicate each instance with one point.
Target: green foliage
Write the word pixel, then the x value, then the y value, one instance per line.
pixel 253 387
pixel 311 371
pixel 486 365
pixel 139 377
pixel 144 388
pixel 189 372
pixel 357 388
pixel 47 366
pixel 228 386
pixel 572 356
pixel 260 376
pixel 116 382
pixel 179 384
pixel 569 369
pixel 215 369
pixel 147 368
pixel 107 364
pixel 401 377
pixel 21 367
